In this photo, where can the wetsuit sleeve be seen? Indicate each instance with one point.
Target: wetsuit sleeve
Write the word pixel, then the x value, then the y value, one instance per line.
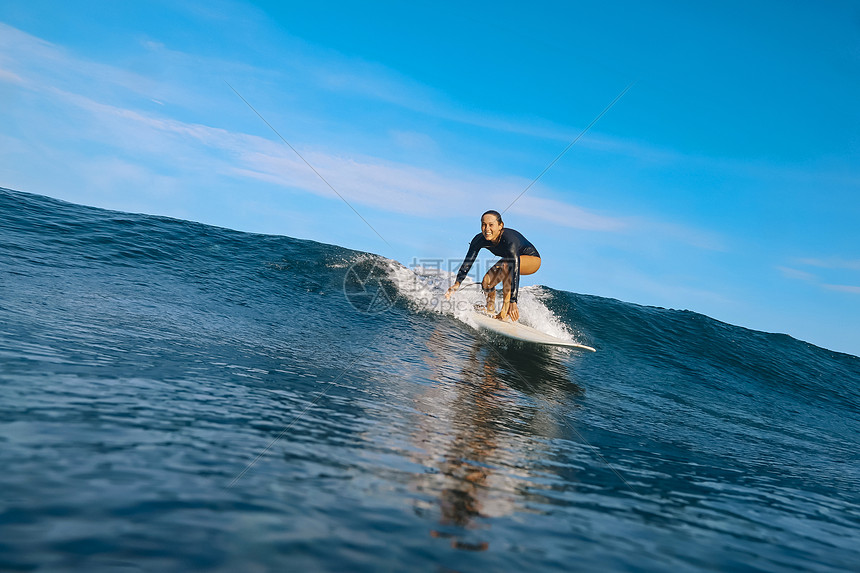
pixel 513 257
pixel 474 247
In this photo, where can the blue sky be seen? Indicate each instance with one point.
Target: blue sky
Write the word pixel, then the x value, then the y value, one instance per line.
pixel 725 181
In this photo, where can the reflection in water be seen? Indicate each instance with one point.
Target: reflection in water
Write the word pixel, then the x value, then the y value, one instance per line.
pixel 478 429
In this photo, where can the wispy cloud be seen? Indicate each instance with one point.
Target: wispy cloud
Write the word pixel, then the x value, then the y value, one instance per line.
pixel 366 180
pixel 566 215
pixel 10 77
pixel 824 265
pixel 843 288
pixel 36 64
pixel 797 274
pixel 150 135
pixel 831 263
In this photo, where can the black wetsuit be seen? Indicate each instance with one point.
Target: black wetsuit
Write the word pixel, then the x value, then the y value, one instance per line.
pixel 511 245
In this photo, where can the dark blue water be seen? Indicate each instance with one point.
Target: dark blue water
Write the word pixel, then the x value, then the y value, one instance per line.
pixel 178 397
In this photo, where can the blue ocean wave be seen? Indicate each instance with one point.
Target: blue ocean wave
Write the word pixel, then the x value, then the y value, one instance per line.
pixel 180 397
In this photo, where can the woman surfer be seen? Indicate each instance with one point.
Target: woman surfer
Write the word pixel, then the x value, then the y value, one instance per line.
pixel 519 257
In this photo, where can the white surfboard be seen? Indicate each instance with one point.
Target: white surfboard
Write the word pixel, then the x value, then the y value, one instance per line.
pixel 519 331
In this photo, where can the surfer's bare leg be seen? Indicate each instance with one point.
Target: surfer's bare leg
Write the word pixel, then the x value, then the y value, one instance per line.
pixel 498 273
pixel 506 286
pixel 528 265
pixel 506 293
pixel 494 276
pixel 491 300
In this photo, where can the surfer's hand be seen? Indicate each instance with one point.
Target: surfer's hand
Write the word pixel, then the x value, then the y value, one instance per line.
pixel 509 309
pixel 451 290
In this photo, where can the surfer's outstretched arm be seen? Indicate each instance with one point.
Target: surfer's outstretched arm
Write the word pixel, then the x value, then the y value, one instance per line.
pixel 474 247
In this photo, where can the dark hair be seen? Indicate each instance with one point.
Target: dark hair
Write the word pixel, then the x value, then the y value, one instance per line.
pixel 496 214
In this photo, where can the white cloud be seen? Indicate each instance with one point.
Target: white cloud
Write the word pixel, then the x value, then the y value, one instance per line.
pixel 38 64
pixel 843 288
pixel 826 264
pixel 566 215
pixel 367 181
pixel 831 263
pixel 9 77
pixel 363 180
pixel 796 274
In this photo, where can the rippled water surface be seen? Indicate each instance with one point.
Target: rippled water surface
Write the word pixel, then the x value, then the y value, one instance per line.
pixel 177 397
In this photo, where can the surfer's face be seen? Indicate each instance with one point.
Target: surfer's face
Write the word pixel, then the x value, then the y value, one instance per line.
pixel 491 228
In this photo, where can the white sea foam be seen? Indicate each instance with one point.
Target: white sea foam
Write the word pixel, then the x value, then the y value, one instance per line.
pixel 425 289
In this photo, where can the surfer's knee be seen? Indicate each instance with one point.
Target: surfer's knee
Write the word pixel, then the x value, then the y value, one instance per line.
pixel 490 280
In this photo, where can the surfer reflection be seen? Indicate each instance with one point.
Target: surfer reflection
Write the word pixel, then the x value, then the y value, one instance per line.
pixel 519 257
pixel 467 445
pixel 475 431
